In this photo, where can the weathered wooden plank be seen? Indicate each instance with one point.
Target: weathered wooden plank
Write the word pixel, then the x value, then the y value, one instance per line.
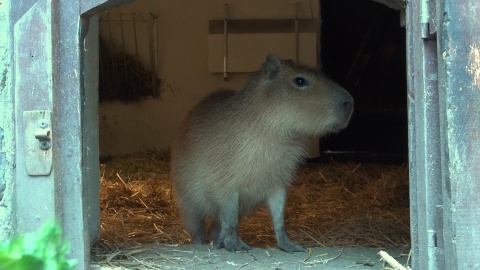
pixel 75 149
pixel 34 197
pixel 424 145
pixel 459 55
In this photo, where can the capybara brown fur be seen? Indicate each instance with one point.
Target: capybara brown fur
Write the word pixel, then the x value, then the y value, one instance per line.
pixel 239 150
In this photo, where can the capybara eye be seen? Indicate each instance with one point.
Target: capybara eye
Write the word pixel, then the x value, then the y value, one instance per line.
pixel 300 81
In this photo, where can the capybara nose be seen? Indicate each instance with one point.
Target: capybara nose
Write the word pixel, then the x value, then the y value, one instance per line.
pixel 347 106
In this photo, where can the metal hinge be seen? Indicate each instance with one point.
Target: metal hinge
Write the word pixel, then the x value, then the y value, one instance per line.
pixel 38 142
pixel 432 249
pixel 427 19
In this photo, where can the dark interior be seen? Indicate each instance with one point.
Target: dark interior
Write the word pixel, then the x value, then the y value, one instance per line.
pixel 363 49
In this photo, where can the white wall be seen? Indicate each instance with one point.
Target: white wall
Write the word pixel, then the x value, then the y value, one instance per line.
pixel 182 67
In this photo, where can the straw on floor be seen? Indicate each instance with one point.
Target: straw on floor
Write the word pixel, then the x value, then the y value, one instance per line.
pixel 330 204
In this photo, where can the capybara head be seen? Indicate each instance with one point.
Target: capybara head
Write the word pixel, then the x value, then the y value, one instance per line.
pixel 298 99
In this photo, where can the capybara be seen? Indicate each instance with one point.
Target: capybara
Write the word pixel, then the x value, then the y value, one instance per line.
pixel 238 150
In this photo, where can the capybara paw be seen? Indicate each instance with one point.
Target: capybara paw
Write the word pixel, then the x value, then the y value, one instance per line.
pixel 232 244
pixel 236 245
pixel 291 247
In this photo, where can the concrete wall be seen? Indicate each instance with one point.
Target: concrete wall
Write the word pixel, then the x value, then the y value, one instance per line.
pixel 7 139
pixel 183 69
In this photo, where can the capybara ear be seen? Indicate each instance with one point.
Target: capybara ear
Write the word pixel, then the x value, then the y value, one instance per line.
pixel 271 67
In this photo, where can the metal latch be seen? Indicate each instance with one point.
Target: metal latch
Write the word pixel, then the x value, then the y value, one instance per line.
pixel 38 142
pixel 43 134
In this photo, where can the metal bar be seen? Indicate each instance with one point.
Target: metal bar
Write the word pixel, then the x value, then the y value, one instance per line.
pixel 123 50
pixel 136 42
pixel 297 37
pixel 225 43
pixel 152 52
pixel 110 39
pixel 155 52
pixel 109 26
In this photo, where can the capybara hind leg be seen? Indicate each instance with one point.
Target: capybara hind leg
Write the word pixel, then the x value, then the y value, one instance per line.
pixel 194 224
pixel 228 235
pixel 276 204
pixel 229 239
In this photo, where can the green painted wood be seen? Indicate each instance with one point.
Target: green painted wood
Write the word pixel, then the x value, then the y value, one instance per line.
pixel 459 78
pixel 424 144
pixel 34 197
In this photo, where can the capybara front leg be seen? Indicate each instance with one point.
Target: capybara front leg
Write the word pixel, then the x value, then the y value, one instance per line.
pixel 228 236
pixel 276 204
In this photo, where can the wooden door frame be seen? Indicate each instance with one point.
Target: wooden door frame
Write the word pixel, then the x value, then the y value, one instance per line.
pixel 443 127
pixel 443 45
pixel 56 71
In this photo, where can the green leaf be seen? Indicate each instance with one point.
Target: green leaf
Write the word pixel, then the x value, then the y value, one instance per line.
pixel 44 251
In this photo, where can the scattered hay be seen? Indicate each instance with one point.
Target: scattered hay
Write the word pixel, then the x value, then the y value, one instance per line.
pixel 387 259
pixel 350 204
pixel 331 204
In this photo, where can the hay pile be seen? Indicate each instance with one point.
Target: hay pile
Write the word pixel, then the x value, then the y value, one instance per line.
pixel 331 204
pixel 123 76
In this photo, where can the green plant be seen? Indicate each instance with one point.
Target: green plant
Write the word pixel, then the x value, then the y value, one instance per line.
pixel 43 251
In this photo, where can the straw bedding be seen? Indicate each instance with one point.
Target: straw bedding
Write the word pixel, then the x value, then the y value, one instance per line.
pixel 330 204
